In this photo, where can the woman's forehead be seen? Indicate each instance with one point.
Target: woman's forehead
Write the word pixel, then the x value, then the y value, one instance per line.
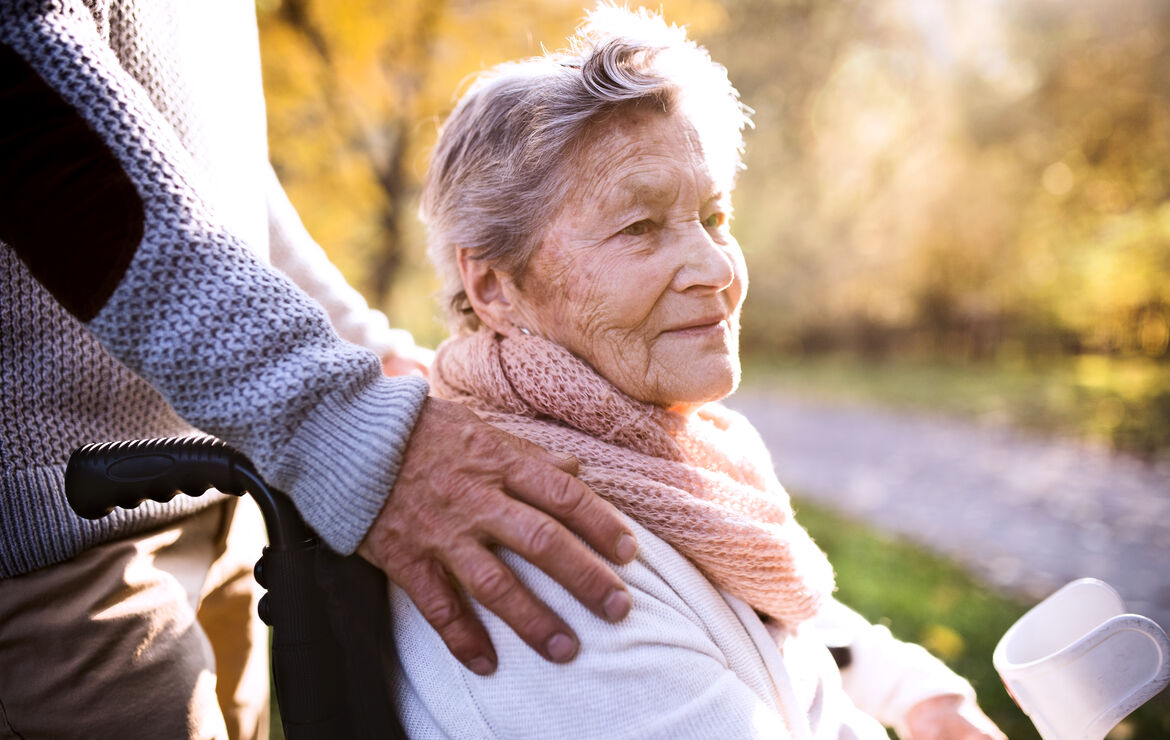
pixel 641 158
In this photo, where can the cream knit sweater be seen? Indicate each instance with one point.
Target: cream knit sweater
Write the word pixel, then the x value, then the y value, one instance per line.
pixel 688 662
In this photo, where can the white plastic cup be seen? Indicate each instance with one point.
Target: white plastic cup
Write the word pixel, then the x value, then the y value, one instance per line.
pixel 1077 663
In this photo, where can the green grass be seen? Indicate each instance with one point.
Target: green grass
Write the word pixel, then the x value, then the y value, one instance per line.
pixel 1123 402
pixel 929 600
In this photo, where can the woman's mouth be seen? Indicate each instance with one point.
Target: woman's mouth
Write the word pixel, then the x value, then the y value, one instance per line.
pixel 700 327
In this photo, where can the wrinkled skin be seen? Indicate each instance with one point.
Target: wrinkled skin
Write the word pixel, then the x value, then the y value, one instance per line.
pixel 638 274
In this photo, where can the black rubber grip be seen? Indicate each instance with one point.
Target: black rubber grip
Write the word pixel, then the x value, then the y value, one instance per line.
pixel 100 477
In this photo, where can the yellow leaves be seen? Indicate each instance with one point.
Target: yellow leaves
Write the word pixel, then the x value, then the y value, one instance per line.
pixel 1154 333
pixel 701 17
pixel 1131 379
pixel 941 639
pixel 944 642
pixel 1058 179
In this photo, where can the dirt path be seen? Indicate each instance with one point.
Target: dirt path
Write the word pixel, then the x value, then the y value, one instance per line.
pixel 1025 514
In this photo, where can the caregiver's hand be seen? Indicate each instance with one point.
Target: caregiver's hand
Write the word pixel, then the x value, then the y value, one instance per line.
pixel 950 717
pixel 465 486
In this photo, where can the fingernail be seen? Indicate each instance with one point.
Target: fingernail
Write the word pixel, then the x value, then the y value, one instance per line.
pixel 561 647
pixel 617 605
pixel 481 666
pixel 627 548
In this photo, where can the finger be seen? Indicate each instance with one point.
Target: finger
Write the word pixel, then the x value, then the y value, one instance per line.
pixel 427 584
pixel 567 499
pixel 567 464
pixel 488 580
pixel 563 461
pixel 545 543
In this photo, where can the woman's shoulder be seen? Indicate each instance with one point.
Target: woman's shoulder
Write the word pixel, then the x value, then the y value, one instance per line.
pixel 680 648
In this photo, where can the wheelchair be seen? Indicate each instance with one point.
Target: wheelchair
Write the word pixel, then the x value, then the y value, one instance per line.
pixel 332 650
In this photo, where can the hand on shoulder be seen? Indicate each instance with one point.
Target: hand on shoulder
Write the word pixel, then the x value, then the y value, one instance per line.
pixel 465 486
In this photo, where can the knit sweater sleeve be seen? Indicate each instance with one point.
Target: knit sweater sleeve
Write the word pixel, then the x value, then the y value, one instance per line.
pixel 120 235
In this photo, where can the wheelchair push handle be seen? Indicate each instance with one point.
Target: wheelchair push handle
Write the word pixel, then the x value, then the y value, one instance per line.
pixel 102 477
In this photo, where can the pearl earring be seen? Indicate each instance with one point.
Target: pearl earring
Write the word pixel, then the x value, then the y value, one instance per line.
pixel 525 331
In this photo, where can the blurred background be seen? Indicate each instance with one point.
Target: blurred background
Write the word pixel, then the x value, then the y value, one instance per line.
pixel 956 216
pixel 970 181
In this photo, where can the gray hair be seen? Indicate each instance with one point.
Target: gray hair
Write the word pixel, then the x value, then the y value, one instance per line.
pixel 499 172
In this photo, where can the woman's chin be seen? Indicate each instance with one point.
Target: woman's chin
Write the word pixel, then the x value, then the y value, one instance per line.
pixel 704 388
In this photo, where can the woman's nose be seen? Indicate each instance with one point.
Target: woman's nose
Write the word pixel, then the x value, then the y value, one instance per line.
pixel 706 263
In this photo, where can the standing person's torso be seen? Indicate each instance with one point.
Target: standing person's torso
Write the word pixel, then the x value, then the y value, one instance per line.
pixel 198 63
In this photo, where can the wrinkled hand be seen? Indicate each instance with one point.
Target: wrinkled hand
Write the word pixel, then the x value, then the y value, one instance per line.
pixel 465 486
pixel 950 717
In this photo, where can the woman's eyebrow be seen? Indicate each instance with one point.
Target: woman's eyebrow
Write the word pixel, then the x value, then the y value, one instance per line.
pixel 626 196
pixel 715 193
pixel 641 190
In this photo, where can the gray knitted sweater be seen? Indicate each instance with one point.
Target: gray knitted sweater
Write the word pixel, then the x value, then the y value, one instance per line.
pixel 136 209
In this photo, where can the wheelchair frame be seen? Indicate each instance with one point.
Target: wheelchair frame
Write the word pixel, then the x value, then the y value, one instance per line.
pixel 332 647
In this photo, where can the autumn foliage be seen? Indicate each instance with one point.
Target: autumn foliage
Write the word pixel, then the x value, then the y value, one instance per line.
pixel 962 178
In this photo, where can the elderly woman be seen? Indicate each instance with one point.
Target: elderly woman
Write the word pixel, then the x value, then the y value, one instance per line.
pixel 578 207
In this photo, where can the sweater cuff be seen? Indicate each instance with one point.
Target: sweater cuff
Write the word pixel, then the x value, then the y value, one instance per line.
pixel 343 460
pixel 889 677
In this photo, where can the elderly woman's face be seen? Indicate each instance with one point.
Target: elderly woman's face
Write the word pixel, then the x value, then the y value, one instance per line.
pixel 639 275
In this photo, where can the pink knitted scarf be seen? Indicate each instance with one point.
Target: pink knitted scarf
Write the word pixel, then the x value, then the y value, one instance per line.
pixel 702 482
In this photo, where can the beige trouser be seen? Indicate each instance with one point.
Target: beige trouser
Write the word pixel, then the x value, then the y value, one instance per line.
pixel 154 636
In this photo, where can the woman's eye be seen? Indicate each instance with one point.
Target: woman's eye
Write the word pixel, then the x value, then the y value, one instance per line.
pixel 638 228
pixel 715 220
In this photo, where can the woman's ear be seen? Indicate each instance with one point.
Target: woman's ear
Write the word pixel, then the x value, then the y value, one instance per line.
pixel 489 290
